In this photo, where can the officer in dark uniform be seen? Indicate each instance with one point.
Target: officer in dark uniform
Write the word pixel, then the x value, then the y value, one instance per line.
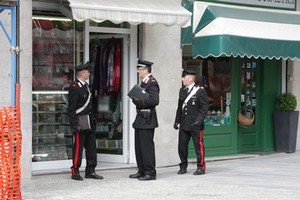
pixel 145 123
pixel 80 105
pixel 191 112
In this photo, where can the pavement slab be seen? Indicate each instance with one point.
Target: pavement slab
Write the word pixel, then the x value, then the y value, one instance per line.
pixel 273 176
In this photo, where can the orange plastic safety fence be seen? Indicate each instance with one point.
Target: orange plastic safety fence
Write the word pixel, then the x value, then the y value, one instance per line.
pixel 10 153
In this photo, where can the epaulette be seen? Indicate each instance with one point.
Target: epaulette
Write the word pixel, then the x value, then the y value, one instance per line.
pixel 200 87
pixel 152 79
pixel 74 85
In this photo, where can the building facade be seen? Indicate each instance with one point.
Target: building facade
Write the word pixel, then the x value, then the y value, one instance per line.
pixel 50 48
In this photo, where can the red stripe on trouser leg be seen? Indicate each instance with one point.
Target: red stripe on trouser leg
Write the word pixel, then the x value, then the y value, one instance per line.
pixel 76 153
pixel 202 151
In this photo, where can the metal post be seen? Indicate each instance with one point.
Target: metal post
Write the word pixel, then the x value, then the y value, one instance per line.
pixel 13 55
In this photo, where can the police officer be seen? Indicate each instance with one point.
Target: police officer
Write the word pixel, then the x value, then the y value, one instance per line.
pixel 145 123
pixel 191 112
pixel 80 105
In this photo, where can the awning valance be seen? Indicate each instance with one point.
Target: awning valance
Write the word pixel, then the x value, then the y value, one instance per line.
pixel 167 12
pixel 225 30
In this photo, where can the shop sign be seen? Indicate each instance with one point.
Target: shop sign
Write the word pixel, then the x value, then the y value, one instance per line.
pixel 282 4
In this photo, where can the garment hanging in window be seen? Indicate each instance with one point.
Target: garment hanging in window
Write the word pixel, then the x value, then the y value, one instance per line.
pixel 105 58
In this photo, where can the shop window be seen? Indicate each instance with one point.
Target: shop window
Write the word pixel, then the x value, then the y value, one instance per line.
pixel 217 82
pixel 214 74
pixel 53 47
pixel 51 139
pixel 57 48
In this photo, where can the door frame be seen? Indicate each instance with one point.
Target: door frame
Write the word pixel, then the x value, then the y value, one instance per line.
pixel 260 136
pixel 129 56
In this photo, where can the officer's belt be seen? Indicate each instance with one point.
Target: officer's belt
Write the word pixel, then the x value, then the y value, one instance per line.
pixel 145 110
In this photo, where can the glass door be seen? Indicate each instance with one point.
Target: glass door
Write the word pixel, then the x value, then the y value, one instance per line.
pixel 248 92
pixel 249 131
pixel 108 55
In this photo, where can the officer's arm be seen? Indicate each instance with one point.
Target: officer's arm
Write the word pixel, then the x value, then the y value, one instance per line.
pixel 153 99
pixel 72 106
pixel 203 106
pixel 179 108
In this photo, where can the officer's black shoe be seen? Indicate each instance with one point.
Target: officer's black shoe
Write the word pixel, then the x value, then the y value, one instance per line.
pixel 137 175
pixel 77 177
pixel 93 176
pixel 181 171
pixel 147 178
pixel 199 172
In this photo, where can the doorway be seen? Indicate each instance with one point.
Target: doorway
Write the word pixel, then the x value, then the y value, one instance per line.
pixel 110 50
pixel 249 104
pixel 260 83
pixel 108 57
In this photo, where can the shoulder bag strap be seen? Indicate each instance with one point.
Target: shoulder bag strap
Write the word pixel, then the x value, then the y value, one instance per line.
pixel 86 103
pixel 195 89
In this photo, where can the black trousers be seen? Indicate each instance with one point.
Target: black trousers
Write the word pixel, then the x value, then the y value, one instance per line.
pixel 145 151
pixel 87 140
pixel 184 138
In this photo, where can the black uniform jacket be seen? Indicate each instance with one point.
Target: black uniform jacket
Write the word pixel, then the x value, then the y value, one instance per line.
pixel 146 117
pixel 195 110
pixel 78 95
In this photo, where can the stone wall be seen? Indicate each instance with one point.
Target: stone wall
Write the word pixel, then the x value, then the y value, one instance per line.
pixel 161 45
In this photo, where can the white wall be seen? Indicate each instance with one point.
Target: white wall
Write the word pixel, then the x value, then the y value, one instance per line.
pixel 293 87
pixel 161 45
pixel 5 63
pixel 26 84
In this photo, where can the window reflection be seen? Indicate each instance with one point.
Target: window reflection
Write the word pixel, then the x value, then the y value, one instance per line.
pixel 214 74
pixel 54 53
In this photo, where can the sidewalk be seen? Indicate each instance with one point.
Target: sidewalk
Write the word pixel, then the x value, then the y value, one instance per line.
pixel 274 176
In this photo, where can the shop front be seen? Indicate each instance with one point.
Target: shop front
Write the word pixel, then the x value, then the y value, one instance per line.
pixel 108 36
pixel 238 77
pixel 241 56
pixel 58 46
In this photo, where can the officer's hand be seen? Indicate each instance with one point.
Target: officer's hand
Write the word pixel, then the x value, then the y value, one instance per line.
pixel 175 126
pixel 196 123
pixel 75 129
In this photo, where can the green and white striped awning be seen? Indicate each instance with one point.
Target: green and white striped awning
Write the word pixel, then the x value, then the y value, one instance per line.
pixel 225 30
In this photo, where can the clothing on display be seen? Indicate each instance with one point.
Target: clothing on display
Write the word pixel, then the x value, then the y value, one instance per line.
pixel 105 66
pixel 105 79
